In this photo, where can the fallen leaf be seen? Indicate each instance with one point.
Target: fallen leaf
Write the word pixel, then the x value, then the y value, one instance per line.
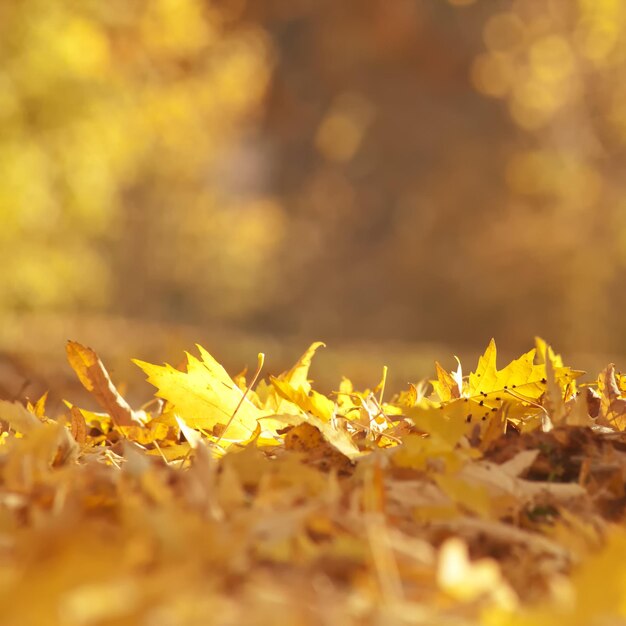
pixel 95 378
pixel 78 426
pixel 612 405
pixel 298 375
pixel 521 377
pixel 18 417
pixel 206 398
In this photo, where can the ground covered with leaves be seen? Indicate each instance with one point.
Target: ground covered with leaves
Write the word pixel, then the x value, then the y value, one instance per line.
pixel 495 498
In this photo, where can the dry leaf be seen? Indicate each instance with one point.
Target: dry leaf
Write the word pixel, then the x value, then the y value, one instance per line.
pixel 94 377
pixel 78 426
pixel 333 512
pixel 18 417
pixel 612 405
pixel 206 398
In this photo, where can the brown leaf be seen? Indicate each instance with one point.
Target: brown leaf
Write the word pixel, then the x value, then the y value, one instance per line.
pixel 612 406
pixel 308 439
pixel 94 377
pixel 78 426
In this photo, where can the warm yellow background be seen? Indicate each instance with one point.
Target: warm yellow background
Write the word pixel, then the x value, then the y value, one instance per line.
pixel 255 175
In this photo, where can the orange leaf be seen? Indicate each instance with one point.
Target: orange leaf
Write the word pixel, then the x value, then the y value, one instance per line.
pixel 78 426
pixel 94 377
pixel 612 405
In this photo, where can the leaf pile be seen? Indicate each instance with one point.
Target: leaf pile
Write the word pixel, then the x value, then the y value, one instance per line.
pixel 495 498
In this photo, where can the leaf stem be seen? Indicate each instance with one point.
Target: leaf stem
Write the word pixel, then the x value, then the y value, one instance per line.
pixel 261 361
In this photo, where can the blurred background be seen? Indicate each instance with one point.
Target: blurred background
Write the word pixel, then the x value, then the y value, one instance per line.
pixel 402 179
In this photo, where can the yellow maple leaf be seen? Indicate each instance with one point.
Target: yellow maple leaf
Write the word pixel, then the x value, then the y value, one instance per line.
pixel 207 398
pixel 293 389
pixel 464 415
pixel 489 394
pixel 312 402
pixel 298 375
pixel 446 386
pixel 545 352
pixel 521 377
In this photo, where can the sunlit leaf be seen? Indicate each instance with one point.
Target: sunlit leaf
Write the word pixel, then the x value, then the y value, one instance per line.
pixel 493 520
pixel 95 378
pixel 312 402
pixel 445 386
pixel 520 378
pixel 297 376
pixel 612 404
pixel 206 398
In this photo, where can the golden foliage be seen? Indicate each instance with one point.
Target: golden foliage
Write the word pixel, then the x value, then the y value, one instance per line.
pixel 100 102
pixel 395 511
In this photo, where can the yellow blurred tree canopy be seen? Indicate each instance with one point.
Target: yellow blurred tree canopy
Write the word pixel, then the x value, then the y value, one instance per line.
pixel 559 67
pixel 230 161
pixel 109 111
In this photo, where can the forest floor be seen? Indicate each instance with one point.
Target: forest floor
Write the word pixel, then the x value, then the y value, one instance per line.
pixel 494 496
